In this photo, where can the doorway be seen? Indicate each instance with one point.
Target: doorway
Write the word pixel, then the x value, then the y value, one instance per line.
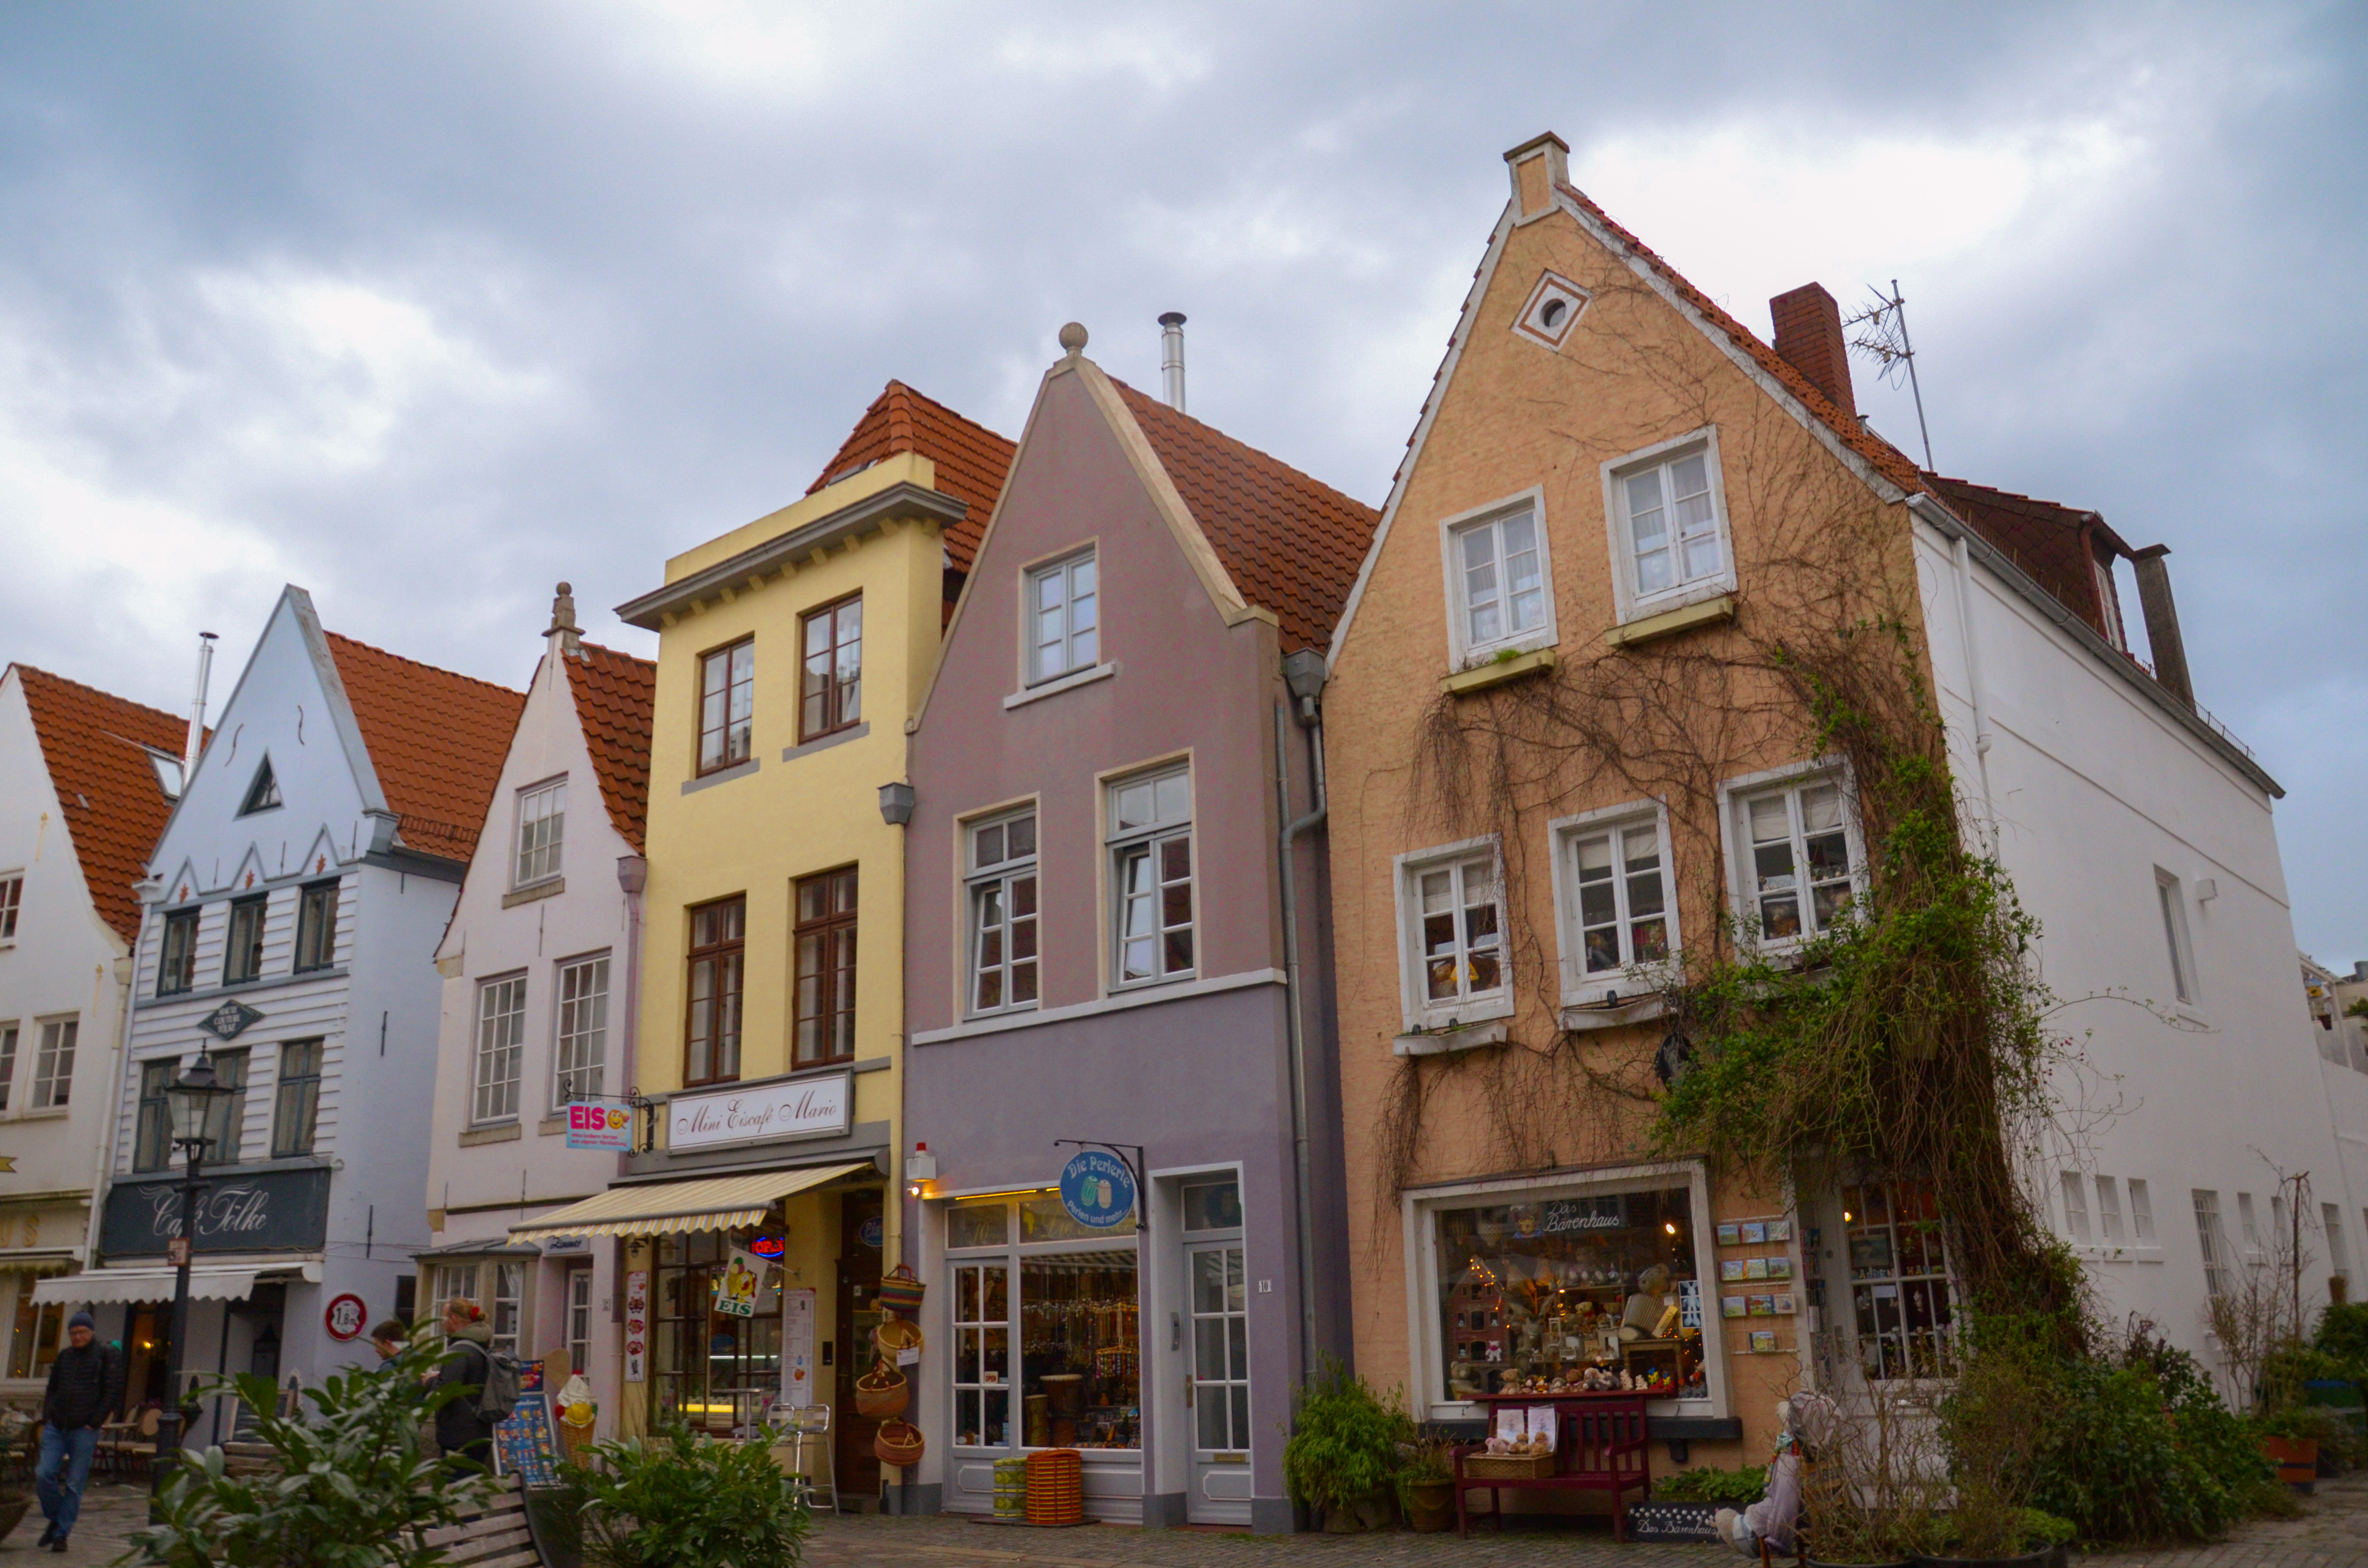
pixel 1217 1381
pixel 860 1238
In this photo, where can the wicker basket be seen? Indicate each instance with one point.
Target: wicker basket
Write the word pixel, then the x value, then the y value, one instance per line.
pixel 881 1391
pixel 1056 1487
pixel 898 1443
pixel 899 1291
pixel 894 1334
pixel 1508 1467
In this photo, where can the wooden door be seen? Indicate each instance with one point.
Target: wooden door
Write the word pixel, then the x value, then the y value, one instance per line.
pixel 859 1313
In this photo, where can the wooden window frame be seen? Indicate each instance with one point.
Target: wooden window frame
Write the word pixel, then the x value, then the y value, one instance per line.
pixel 700 695
pixel 498 1066
pixel 55 1050
pixel 731 955
pixel 841 698
pixel 999 886
pixel 181 966
pixel 573 1029
pixel 1161 847
pixel 1035 648
pixel 258 909
pixel 12 903
pixel 541 842
pixel 296 1100
pixel 824 993
pixel 316 926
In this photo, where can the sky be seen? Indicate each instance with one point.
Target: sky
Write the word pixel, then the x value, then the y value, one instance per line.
pixel 427 307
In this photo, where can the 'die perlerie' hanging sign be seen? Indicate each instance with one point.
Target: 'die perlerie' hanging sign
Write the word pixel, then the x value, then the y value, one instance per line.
pixel 1098 1190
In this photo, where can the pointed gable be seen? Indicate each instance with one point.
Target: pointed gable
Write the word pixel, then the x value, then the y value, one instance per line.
pixel 972 459
pixel 1291 543
pixel 616 695
pixel 96 748
pixel 437 739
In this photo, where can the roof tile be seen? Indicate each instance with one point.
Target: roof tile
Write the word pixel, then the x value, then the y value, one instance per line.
pixel 616 695
pixel 115 807
pixel 437 740
pixel 972 459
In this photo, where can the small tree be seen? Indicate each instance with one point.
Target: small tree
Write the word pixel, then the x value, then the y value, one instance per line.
pixel 2259 1310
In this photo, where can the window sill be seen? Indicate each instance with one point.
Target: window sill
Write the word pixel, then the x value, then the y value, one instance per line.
pixel 503 1132
pixel 1054 687
pixel 40 1113
pixel 549 1125
pixel 2117 1253
pixel 824 743
pixel 551 889
pixel 1448 1042
pixel 1579 1016
pixel 1670 622
pixel 1496 671
pixel 721 776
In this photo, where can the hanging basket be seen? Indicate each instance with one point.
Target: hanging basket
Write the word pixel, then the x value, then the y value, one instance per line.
pixel 894 1334
pixel 899 1291
pixel 881 1391
pixel 899 1443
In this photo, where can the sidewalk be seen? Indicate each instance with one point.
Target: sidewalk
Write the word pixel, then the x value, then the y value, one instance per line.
pixel 109 1515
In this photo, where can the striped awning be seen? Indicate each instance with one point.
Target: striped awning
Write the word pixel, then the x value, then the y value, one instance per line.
pixel 710 1203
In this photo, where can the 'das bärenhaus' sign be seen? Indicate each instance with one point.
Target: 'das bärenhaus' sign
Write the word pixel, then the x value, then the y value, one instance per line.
pixel 797 1108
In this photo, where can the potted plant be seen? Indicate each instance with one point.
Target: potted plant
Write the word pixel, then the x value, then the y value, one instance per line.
pixel 1869 1492
pixel 1342 1459
pixel 2017 1537
pixel 1427 1485
pixel 2290 1438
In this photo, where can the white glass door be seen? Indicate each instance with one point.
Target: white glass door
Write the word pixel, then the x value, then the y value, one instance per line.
pixel 1218 1392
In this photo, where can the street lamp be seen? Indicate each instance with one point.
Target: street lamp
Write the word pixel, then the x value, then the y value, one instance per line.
pixel 191 1101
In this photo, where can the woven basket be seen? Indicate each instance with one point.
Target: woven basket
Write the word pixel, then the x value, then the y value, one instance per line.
pixel 894 1334
pixel 881 1391
pixel 1056 1487
pixel 1508 1467
pixel 899 1291
pixel 898 1443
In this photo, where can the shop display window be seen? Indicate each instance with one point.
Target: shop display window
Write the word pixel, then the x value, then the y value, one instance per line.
pixel 1072 1320
pixel 1553 1293
pixel 35 1343
pixel 714 1370
pixel 1899 1279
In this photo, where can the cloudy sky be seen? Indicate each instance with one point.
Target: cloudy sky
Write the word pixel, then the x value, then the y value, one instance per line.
pixel 427 306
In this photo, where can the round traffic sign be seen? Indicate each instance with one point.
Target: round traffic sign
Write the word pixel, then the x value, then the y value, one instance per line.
pixel 346 1316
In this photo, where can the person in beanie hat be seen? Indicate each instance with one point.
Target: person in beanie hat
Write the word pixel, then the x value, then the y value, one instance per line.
pixel 85 1387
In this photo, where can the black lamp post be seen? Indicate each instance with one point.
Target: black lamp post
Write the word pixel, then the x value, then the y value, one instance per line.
pixel 190 1100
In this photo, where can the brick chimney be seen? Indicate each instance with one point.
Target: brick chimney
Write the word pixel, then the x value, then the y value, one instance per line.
pixel 1809 336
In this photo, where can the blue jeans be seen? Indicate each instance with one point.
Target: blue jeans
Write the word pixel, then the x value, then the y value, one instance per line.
pixel 61 1501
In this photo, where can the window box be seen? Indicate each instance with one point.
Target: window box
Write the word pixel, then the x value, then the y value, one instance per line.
pixel 1497 672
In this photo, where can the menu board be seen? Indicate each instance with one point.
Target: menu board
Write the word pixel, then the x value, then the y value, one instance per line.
pixel 524 1444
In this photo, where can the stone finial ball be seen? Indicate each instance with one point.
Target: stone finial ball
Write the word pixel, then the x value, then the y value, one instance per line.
pixel 566 587
pixel 1073 337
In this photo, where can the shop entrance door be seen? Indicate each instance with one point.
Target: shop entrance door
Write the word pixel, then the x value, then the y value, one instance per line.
pixel 860 1240
pixel 1217 1392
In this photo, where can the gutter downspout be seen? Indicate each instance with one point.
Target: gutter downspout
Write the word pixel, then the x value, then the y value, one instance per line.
pixel 1301 1161
pixel 633 877
pixel 1961 560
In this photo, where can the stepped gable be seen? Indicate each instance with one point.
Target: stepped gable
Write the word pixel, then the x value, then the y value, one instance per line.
pixel 97 747
pixel 972 459
pixel 616 695
pixel 1291 543
pixel 437 740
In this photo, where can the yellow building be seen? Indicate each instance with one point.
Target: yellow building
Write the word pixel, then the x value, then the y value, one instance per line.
pixel 769 1004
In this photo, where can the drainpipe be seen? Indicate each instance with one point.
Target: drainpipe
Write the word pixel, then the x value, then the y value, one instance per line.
pixel 1304 672
pixel 633 876
pixel 1965 574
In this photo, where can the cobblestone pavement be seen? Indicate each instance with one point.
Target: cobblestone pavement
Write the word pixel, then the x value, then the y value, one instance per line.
pixel 109 1515
pixel 2333 1533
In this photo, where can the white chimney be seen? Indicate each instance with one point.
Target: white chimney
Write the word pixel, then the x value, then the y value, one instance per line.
pixel 1171 358
pixel 198 710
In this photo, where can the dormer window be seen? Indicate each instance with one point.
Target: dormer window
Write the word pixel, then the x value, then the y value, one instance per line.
pixel 263 795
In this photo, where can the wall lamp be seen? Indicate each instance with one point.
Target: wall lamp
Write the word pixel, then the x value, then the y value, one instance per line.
pixel 895 804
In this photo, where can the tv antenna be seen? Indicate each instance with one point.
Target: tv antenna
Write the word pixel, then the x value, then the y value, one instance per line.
pixel 1883 338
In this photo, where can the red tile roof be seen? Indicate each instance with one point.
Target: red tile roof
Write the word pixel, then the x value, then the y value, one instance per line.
pixel 115 808
pixel 1291 544
pixel 972 459
pixel 615 696
pixel 437 740
pixel 2057 547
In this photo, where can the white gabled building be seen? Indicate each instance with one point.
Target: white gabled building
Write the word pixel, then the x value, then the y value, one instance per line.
pixel 538 1009
pixel 86 783
pixel 293 911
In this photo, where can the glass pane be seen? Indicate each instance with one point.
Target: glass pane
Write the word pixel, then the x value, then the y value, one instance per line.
pixel 1174 796
pixel 1821 808
pixel 1237 1340
pixel 1208 1282
pixel 1209 1349
pixel 965 1281
pixel 1022 837
pixel 1079 1350
pixel 1241 1417
pixel 1213 1206
pixel 1134 805
pixel 978 1225
pixel 988 846
pixel 1769 819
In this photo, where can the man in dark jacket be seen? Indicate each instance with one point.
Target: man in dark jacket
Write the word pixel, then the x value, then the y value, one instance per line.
pixel 85 1387
pixel 464 1435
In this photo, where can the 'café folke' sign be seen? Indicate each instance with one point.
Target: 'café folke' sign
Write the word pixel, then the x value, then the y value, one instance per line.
pixel 797 1108
pixel 263 1212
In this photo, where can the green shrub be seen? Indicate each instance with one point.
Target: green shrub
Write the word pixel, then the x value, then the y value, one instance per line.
pixel 1344 1450
pixel 2041 1528
pixel 1733 1487
pixel 675 1499
pixel 354 1489
pixel 2343 1335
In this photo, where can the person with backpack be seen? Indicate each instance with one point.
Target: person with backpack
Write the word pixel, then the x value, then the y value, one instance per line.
pixel 85 1387
pixel 464 1431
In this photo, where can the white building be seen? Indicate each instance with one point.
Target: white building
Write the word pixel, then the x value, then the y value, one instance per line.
pixel 2342 1038
pixel 293 907
pixel 85 782
pixel 538 1008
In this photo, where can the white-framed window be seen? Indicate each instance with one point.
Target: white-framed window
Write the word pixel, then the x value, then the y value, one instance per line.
pixel 2141 1213
pixel 1667 512
pixel 53 1065
pixel 8 1034
pixel 1611 878
pixel 2211 1243
pixel 1064 618
pixel 2171 899
pixel 583 1029
pixel 1452 921
pixel 226 1116
pixel 1901 1295
pixel 1499 580
pixel 501 1046
pixel 2075 1206
pixel 2108 1212
pixel 542 831
pixel 2249 1226
pixel 1798 861
pixel 12 899
pixel 1151 877
pixel 579 1317
pixel 1000 969
pixel 2338 1252
pixel 498 1288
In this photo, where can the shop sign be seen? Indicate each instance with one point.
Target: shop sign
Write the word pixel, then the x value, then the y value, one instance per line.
pixel 346 1317
pixel 769 1247
pixel 567 1246
pixel 637 1326
pixel 600 1124
pixel 267 1211
pixel 1098 1190
pixel 799 1108
pixel 736 1288
pixel 1567 1215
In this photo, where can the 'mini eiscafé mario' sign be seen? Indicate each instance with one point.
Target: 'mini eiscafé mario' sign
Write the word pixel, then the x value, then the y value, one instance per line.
pixel 795 1108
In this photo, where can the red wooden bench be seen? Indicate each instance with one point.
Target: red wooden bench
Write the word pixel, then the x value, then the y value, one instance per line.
pixel 1603 1448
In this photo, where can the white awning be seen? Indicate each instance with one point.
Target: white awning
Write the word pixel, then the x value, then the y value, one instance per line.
pixel 208 1282
pixel 51 1260
pixel 712 1203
